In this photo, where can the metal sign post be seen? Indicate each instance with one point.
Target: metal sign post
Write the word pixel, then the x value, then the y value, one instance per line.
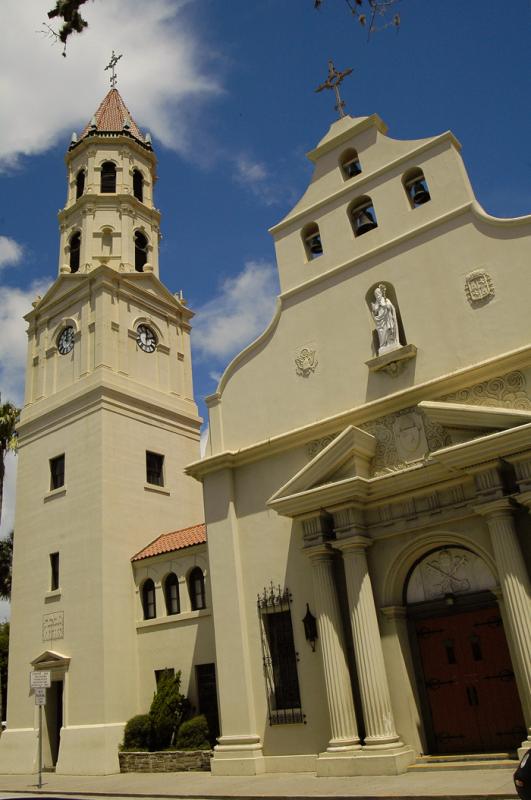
pixel 40 680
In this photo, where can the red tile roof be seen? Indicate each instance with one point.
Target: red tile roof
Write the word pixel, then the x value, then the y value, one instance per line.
pixel 167 542
pixel 111 115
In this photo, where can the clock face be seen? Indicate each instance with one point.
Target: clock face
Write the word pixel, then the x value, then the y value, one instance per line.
pixel 65 340
pixel 146 338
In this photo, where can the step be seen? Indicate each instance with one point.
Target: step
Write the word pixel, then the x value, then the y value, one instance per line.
pixel 451 763
pixel 437 759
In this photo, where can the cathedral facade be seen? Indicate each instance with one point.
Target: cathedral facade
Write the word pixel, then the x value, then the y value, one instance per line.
pixel 354 589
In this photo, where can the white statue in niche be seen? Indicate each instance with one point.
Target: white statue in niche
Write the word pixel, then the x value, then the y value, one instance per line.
pixel 384 315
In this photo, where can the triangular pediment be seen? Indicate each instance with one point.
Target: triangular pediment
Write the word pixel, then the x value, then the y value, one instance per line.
pixel 50 659
pixel 347 456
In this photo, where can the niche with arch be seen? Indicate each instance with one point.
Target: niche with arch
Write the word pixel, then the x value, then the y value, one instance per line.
pixel 362 215
pixel 350 164
pixel 311 238
pixel 388 330
pixel 415 187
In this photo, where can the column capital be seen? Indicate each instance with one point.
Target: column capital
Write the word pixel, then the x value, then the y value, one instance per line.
pixel 357 543
pixel 394 612
pixel 524 499
pixel 320 552
pixel 488 480
pixel 317 530
pixel 522 467
pixel 502 507
pixel 348 521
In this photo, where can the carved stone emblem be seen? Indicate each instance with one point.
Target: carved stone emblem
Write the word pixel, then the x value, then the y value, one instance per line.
pixel 409 436
pixel 478 287
pixel 305 362
pixel 451 570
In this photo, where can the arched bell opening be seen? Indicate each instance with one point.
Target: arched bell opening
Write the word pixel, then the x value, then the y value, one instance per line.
pixel 80 183
pixel 138 185
pixel 466 684
pixel 362 216
pixel 108 178
pixel 416 187
pixel 141 251
pixel 75 251
pixel 311 238
pixel 350 164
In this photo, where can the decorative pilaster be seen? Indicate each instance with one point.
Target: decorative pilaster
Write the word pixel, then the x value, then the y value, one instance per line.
pixel 516 590
pixel 337 679
pixel 374 689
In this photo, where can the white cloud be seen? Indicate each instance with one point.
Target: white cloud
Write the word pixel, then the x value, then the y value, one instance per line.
pixel 255 177
pixel 248 171
pixel 241 310
pixel 45 96
pixel 14 303
pixel 10 252
pixel 8 501
pixel 203 441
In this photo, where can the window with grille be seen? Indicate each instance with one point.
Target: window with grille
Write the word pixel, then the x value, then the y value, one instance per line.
pixel 54 571
pixel 154 468
pixel 57 472
pixel 171 594
pixel 196 584
pixel 148 599
pixel 279 657
pixel 108 178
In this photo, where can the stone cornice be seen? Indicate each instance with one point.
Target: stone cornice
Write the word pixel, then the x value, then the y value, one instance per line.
pixel 460 415
pixel 116 201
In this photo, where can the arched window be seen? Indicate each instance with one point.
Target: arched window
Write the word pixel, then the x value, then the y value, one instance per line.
pixel 350 163
pixel 141 246
pixel 138 185
pixel 416 187
pixel 362 216
pixel 148 599
pixel 196 587
pixel 80 183
pixel 171 594
pixel 108 177
pixel 312 241
pixel 75 249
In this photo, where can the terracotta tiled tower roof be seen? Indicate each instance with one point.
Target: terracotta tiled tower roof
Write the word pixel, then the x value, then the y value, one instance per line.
pixel 113 117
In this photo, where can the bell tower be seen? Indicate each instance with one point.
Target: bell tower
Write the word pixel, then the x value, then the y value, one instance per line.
pixel 108 424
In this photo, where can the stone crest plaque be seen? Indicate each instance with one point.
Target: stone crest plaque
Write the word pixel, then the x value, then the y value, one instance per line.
pixel 53 626
pixel 478 286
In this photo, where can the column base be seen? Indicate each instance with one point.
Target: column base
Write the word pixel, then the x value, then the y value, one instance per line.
pixel 365 762
pixel 90 749
pixel 238 755
pixel 19 751
pixel 524 747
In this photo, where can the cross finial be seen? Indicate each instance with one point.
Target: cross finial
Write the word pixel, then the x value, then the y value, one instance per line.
pixel 111 65
pixel 333 82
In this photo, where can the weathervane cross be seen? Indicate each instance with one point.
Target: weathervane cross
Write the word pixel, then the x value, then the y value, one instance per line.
pixel 111 65
pixel 334 81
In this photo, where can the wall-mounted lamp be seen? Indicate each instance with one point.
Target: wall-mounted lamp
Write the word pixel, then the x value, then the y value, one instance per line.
pixel 310 627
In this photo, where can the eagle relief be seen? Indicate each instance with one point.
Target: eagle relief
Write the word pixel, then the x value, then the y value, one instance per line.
pixel 305 362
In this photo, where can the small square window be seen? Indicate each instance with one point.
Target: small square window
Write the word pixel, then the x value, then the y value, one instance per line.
pixel 57 472
pixel 54 570
pixel 163 673
pixel 154 468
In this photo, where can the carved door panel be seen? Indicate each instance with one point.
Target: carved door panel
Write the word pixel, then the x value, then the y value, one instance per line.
pixel 469 683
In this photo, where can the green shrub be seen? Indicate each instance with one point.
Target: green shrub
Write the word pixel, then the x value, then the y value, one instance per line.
pixel 137 733
pixel 193 734
pixel 168 709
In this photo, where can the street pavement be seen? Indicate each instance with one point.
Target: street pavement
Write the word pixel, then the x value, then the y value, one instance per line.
pixel 495 784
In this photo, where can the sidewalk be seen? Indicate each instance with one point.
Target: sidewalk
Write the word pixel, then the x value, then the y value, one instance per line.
pixel 496 784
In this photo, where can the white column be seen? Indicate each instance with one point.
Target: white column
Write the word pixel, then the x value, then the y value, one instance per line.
pixel 516 590
pixel 337 679
pixel 374 689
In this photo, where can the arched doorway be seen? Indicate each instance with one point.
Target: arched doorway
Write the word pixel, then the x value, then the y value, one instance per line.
pixel 465 675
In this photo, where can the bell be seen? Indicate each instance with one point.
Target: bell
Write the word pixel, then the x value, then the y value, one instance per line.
pixel 352 168
pixel 419 193
pixel 364 222
pixel 314 245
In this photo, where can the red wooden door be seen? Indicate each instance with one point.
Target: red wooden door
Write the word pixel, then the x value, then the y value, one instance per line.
pixel 470 683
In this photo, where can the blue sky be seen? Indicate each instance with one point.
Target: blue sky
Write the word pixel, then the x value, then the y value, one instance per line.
pixel 226 88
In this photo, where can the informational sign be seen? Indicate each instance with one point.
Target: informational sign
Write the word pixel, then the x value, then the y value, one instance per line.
pixel 40 696
pixel 40 679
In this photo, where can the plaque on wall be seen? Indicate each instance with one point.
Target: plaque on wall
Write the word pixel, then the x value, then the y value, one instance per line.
pixel 53 626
